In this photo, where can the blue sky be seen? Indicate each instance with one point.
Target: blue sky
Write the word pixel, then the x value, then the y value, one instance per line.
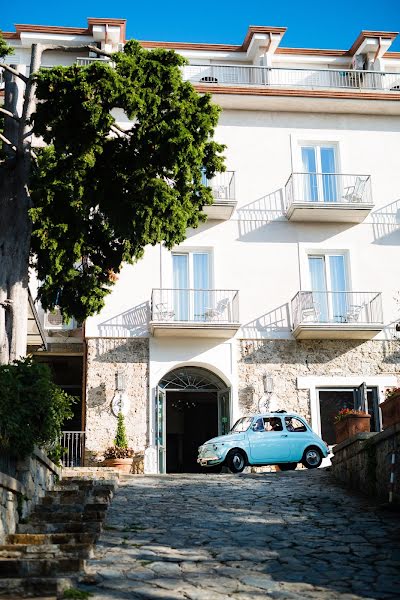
pixel 310 23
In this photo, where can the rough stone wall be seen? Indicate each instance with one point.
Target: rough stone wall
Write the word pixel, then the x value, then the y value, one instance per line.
pixel 19 494
pixel 286 360
pixel 363 463
pixel 106 356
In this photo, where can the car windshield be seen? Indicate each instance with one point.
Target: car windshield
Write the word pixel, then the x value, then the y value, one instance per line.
pixel 242 424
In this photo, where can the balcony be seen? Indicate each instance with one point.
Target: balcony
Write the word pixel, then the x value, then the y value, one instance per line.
pixel 223 190
pixel 189 312
pixel 331 79
pixel 87 60
pixel 337 315
pixel 329 197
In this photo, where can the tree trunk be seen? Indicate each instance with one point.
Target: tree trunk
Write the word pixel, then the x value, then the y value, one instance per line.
pixel 15 224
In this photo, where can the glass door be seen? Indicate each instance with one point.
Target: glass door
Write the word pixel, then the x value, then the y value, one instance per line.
pixel 192 283
pixel 160 429
pixel 224 398
pixel 328 278
pixel 319 172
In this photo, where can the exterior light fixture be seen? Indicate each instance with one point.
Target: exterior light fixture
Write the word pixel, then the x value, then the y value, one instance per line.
pixel 268 383
pixel 120 402
pixel 120 381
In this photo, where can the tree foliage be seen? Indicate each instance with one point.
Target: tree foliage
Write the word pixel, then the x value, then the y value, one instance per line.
pixel 32 408
pixel 5 49
pixel 99 199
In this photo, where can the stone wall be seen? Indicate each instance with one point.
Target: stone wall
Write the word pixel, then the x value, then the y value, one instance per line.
pixel 363 463
pixel 18 495
pixel 105 357
pixel 286 360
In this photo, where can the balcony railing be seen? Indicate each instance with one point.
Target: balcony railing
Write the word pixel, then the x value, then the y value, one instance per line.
pixel 74 444
pixel 86 61
pixel 222 186
pixel 328 188
pixel 347 79
pixel 195 306
pixel 336 308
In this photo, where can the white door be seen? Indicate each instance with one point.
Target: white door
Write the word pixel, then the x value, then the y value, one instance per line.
pixel 192 284
pixel 319 164
pixel 329 286
pixel 161 429
pixel 224 401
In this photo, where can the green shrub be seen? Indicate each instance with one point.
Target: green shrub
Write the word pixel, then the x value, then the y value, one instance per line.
pixel 121 439
pixel 32 409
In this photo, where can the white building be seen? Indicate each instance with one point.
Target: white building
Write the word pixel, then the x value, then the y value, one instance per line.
pixel 286 297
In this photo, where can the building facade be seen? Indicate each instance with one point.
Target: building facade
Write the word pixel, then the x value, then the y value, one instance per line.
pixel 287 297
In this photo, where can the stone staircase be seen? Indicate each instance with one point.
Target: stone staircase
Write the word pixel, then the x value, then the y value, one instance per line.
pixel 46 554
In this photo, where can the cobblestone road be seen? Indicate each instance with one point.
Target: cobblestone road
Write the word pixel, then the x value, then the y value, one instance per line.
pixel 213 537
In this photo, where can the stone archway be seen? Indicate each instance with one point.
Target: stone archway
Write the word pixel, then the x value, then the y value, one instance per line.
pixel 193 406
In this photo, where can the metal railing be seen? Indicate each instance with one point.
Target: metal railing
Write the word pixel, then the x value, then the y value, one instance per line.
pixel 328 188
pixel 292 78
pixel 85 61
pixel 199 306
pixel 222 185
pixel 74 444
pixel 358 308
pixel 8 463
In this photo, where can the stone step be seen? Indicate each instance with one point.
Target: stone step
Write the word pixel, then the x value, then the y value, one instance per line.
pixel 50 538
pixel 37 587
pixel 86 516
pixel 34 551
pixel 41 567
pixel 61 527
pixel 66 499
pixel 70 508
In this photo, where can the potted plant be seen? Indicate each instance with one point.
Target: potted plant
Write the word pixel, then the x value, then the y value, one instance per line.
pixel 349 422
pixel 119 455
pixel 390 407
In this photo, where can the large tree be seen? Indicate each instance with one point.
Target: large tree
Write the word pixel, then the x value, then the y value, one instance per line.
pixel 93 195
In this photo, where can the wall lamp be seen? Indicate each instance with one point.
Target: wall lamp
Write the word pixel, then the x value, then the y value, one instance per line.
pixel 268 383
pixel 120 385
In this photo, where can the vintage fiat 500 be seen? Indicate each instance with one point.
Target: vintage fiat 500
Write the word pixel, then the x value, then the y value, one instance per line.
pixel 280 438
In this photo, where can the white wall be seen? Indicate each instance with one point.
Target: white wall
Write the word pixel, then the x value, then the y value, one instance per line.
pixel 262 254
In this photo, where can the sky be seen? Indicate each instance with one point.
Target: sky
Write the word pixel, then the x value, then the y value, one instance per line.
pixel 310 23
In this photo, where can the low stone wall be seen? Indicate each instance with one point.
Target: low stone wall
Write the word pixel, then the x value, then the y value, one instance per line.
pixel 18 495
pixel 363 462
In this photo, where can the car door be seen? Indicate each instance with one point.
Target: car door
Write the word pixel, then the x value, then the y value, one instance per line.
pixel 298 436
pixel 267 446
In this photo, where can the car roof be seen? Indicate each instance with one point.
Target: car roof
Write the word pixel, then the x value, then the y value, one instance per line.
pixel 277 414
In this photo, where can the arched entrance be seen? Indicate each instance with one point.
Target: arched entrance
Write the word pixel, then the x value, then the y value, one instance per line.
pixel 192 406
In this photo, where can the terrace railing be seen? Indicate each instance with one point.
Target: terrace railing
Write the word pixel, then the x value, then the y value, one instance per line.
pixel 74 444
pixel 357 308
pixel 343 79
pixel 328 188
pixel 199 306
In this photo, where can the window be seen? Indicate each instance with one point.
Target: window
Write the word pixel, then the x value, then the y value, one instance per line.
pixel 319 168
pixel 268 424
pixel 294 424
pixel 192 284
pixel 328 278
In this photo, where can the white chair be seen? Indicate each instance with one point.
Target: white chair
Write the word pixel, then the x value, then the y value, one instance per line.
pixel 220 192
pixel 309 308
pixel 354 193
pixel 215 313
pixel 164 312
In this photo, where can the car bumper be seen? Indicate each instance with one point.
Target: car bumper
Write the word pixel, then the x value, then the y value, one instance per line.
pixel 209 461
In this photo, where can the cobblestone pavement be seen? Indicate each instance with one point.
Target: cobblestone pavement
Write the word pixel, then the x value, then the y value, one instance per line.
pixel 212 537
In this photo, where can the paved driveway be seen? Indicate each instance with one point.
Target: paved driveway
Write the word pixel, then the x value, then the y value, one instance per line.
pixel 275 535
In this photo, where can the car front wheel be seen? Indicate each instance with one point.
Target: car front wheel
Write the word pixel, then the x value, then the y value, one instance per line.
pixel 236 461
pixel 312 458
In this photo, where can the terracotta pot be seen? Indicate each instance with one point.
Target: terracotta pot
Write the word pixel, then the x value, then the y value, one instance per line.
pixel 351 425
pixel 390 411
pixel 122 464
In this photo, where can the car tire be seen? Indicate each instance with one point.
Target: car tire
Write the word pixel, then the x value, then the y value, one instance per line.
pixel 312 457
pixel 287 466
pixel 236 461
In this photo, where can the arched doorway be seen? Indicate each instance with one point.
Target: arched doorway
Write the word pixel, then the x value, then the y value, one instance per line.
pixel 192 406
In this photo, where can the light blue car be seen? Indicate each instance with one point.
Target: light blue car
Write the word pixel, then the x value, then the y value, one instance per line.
pixel 279 438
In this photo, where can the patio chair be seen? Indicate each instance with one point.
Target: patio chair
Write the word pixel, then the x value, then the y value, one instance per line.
pixel 354 193
pixel 215 313
pixel 309 308
pixel 164 312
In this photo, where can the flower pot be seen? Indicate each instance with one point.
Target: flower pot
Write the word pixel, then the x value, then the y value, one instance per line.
pixel 351 425
pixel 390 409
pixel 122 464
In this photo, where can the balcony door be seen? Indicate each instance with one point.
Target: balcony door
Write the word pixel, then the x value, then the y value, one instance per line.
pixel 319 165
pixel 191 283
pixel 328 277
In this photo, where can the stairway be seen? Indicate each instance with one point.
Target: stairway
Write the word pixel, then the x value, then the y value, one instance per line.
pixel 46 554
